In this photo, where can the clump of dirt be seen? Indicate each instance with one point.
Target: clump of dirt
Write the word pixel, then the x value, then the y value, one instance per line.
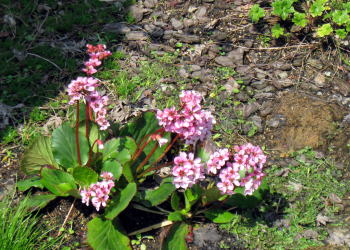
pixel 308 122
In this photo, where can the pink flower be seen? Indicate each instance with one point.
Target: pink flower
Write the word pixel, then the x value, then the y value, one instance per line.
pixel 157 137
pixel 217 160
pixel 98 192
pixel 187 170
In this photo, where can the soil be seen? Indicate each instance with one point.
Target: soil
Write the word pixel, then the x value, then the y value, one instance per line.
pixel 301 91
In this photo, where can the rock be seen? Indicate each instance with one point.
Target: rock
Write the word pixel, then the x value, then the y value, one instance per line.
pixel 218 35
pixel 224 61
pixel 183 73
pixel 280 84
pixel 206 235
pixel 192 8
pixel 297 62
pixel 136 12
pixel 281 74
pixel 339 237
pixel 187 38
pixel 150 3
pixel 249 109
pixel 237 55
pixel 118 28
pixel 230 85
pixel 158 32
pixel 168 34
pixel 178 25
pixel 257 121
pixel 194 67
pixel 188 22
pixel 342 86
pixel 208 1
pixel 262 95
pixel 276 121
pixel 136 36
pixel 320 80
pixel 243 69
pixel 259 84
pixel 242 96
pixel 266 108
pixel 201 12
pixel 314 63
pixel 282 66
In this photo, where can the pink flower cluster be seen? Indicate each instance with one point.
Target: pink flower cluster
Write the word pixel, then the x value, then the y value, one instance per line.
pixel 217 160
pixel 190 122
pixel 98 192
pixel 84 88
pixel 245 171
pixel 187 170
pixel 96 53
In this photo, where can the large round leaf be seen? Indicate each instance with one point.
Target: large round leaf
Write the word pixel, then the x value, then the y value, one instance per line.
pixel 176 238
pixel 84 176
pixel 57 181
pixel 64 147
pixel 104 235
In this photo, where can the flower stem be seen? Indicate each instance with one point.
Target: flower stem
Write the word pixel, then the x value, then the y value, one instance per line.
pixel 154 168
pixel 77 134
pixel 87 119
pixel 167 149
pixel 139 167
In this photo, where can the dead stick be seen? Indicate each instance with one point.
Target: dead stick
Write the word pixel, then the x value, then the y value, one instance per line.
pixel 65 220
pixel 155 226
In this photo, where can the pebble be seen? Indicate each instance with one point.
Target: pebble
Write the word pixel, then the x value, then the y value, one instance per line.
pixel 187 38
pixel 136 12
pixel 118 28
pixel 183 73
pixel 320 80
pixel 200 12
pixel 266 108
pixel 277 121
pixel 178 25
pixel 259 96
pixel 224 61
pixel 259 84
pixel 249 109
pixel 150 3
pixel 136 36
pixel 257 121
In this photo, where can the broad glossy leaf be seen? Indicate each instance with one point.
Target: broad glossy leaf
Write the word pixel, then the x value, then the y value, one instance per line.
pixel 175 201
pixel 114 167
pixel 219 215
pixel 143 125
pixel 84 176
pixel 176 216
pixel 210 195
pixel 38 155
pixel 26 184
pixel 64 147
pixel 121 149
pixel 159 195
pixel 104 235
pixel 176 238
pixel 39 201
pixel 192 195
pixel 120 201
pixel 57 181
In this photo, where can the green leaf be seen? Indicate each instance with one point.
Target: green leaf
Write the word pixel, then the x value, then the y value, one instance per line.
pixel 317 8
pixel 114 167
pixel 38 155
pixel 84 176
pixel 282 8
pixel 64 147
pixel 120 201
pixel 203 155
pixel 247 201
pixel 24 185
pixel 342 33
pixel 176 238
pixel 256 12
pixel 300 19
pixel 277 30
pixel 219 215
pixel 121 149
pixel 103 235
pixel 157 196
pixel 340 17
pixel 192 195
pixel 143 125
pixel 57 181
pixel 175 216
pixel 324 30
pixel 39 201
pixel 346 7
pixel 210 195
pixel 175 201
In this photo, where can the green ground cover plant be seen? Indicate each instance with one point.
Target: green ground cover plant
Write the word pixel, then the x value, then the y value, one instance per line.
pixel 323 17
pixel 20 229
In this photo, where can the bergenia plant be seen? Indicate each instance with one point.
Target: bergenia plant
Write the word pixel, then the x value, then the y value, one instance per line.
pixel 106 171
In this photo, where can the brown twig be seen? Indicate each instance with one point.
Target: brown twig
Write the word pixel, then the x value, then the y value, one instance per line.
pixel 65 219
pixel 77 134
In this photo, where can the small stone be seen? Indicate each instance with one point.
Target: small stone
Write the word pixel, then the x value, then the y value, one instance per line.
pixel 258 84
pixel 282 74
pixel 342 86
pixel 218 35
pixel 259 96
pixel 315 63
pixel 194 67
pixel 188 22
pixel 183 73
pixel 297 62
pixel 249 109
pixel 276 121
pixel 136 12
pixel 187 38
pixel 257 121
pixel 242 96
pixel 320 80
pixel 266 108
pixel 282 66
pixel 192 8
pixel 230 85
pixel 118 28
pixel 283 83
pixel 201 12
pixel 168 34
pixel 237 55
pixel 150 3
pixel 136 36
pixel 224 61
pixel 178 25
